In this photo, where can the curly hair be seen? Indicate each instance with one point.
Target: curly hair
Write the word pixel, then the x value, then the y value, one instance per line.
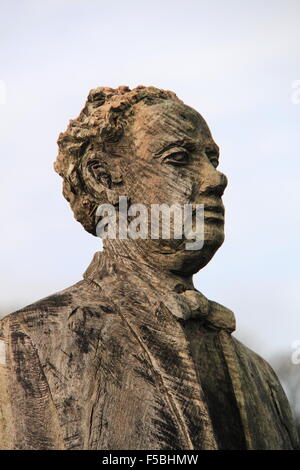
pixel 104 118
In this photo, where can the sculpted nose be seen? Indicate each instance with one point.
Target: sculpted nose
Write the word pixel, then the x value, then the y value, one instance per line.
pixel 213 183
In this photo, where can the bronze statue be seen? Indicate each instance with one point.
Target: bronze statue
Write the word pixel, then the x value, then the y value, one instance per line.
pixel 133 356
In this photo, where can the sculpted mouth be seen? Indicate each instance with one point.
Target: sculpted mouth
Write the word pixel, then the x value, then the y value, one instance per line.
pixel 213 213
pixel 214 209
pixel 211 210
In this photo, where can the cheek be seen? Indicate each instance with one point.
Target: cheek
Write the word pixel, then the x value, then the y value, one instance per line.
pixel 167 185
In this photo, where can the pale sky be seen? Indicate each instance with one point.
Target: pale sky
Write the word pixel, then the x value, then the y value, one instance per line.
pixel 235 62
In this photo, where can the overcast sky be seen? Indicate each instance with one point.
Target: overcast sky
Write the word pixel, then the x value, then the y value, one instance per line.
pixel 236 62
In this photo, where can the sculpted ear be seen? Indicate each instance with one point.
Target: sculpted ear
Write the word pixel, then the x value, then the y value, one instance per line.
pixel 100 173
pixel 101 178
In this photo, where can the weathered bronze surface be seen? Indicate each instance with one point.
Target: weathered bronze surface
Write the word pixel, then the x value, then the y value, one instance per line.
pixel 133 356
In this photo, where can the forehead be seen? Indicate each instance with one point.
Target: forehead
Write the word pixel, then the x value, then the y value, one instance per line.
pixel 163 123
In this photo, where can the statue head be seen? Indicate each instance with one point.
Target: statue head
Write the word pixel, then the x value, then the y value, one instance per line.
pixel 147 145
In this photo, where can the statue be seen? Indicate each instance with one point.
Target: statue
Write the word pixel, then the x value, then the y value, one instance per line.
pixel 133 356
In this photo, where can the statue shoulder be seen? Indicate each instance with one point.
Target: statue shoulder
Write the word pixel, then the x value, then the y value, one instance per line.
pixel 256 364
pixel 260 371
pixel 252 358
pixel 58 318
pixel 45 306
pixel 58 306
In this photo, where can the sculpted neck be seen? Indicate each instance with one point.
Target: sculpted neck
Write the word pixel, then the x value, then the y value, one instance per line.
pixel 130 257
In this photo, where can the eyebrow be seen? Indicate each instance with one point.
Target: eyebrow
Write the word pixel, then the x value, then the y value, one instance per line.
pixel 189 144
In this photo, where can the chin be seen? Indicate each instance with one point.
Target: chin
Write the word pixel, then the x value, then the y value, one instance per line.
pixel 213 235
pixel 194 260
pixel 172 255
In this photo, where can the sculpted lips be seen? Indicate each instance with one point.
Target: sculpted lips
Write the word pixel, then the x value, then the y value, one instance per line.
pixel 213 212
pixel 216 209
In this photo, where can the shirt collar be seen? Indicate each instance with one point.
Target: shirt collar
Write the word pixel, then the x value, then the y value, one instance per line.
pixel 183 303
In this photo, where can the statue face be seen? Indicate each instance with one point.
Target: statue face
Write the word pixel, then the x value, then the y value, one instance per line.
pixel 175 161
pixel 168 156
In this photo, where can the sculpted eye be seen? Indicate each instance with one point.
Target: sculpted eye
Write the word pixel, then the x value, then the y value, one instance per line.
pixel 213 157
pixel 177 157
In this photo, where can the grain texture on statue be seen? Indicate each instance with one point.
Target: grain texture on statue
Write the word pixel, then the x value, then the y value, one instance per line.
pixel 133 356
